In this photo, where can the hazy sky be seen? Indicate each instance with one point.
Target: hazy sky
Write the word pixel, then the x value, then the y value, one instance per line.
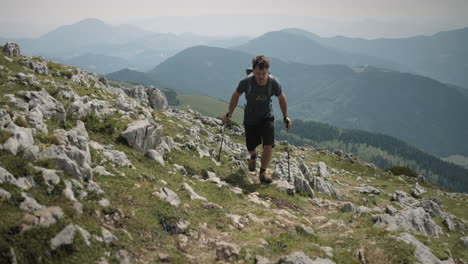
pixel 215 16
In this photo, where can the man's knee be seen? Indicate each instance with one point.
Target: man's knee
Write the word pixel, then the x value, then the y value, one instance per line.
pixel 267 147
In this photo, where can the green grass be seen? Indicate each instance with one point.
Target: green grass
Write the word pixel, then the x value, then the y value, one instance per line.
pixel 208 106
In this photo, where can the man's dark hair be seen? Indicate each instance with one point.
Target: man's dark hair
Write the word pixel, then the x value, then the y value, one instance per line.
pixel 261 62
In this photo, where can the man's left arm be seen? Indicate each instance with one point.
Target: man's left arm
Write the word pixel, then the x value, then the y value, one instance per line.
pixel 284 109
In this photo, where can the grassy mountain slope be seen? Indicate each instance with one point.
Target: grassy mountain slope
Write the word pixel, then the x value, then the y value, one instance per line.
pixel 382 150
pixel 146 229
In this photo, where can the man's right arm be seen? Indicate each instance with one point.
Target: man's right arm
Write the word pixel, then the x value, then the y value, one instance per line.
pixel 233 103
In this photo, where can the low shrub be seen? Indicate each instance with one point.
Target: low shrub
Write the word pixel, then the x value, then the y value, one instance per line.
pixel 399 170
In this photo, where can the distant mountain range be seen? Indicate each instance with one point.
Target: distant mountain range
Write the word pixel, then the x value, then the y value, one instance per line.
pixel 423 112
pixel 129 45
pixel 442 56
pixel 290 46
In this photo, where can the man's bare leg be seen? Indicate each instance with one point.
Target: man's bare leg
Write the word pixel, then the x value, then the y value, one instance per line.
pixel 266 156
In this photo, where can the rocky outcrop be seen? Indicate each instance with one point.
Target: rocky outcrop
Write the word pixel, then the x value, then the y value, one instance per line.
pixel 298 257
pixel 50 108
pixel 87 106
pixel 168 195
pixel 73 154
pixel 142 135
pixel 422 252
pixel 415 220
pixel 150 96
pixel 21 137
pixel 12 49
pixel 67 236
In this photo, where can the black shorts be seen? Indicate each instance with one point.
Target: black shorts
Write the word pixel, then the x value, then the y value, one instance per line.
pixel 263 133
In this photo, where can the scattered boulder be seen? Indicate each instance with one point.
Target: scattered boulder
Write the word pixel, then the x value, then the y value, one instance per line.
pixel 465 241
pixel 155 155
pixel 21 137
pixel 227 251
pixel 86 106
pixel 192 193
pixel 142 135
pixel 416 220
pixel 261 260
pixel 347 207
pixel 65 237
pixel 6 177
pixel 4 195
pixel 323 170
pixel 44 217
pixel 297 257
pixel 12 49
pixel 73 156
pixel 422 252
pixel 51 178
pixel 431 205
pixel 107 236
pixel 168 195
pixel 418 191
pixel 365 189
pixel 29 204
pixel 150 96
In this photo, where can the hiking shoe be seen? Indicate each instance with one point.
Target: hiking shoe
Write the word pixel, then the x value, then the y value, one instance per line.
pixel 252 164
pixel 265 178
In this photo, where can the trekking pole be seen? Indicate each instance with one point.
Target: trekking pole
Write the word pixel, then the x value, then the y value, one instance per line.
pixel 221 146
pixel 287 149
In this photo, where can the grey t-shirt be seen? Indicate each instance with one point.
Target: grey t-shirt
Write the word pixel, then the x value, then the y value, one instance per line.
pixel 258 107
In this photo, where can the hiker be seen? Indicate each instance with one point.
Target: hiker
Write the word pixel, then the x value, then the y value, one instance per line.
pixel 258 113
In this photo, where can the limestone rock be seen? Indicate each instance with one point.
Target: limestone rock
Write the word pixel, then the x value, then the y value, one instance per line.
pixel 4 195
pixel 39 67
pixel 123 257
pixel 12 49
pixel 44 217
pixel 142 135
pixel 227 251
pixel 29 204
pixel 465 241
pixel 73 156
pixel 6 177
pixel 94 188
pixel 21 137
pixel 418 191
pixel 347 207
pixel 422 252
pixel 192 193
pixel 365 189
pixel 50 107
pixel 107 236
pixel 168 195
pixel 65 237
pixel 100 170
pixel 149 95
pixel 297 257
pixel 323 170
pixel 51 178
pixel 416 220
pixel 155 155
pixel 261 260
pixel 87 106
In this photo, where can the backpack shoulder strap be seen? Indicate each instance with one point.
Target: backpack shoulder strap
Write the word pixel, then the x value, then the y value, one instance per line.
pixel 270 88
pixel 249 85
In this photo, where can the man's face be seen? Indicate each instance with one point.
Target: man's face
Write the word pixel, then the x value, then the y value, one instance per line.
pixel 261 75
